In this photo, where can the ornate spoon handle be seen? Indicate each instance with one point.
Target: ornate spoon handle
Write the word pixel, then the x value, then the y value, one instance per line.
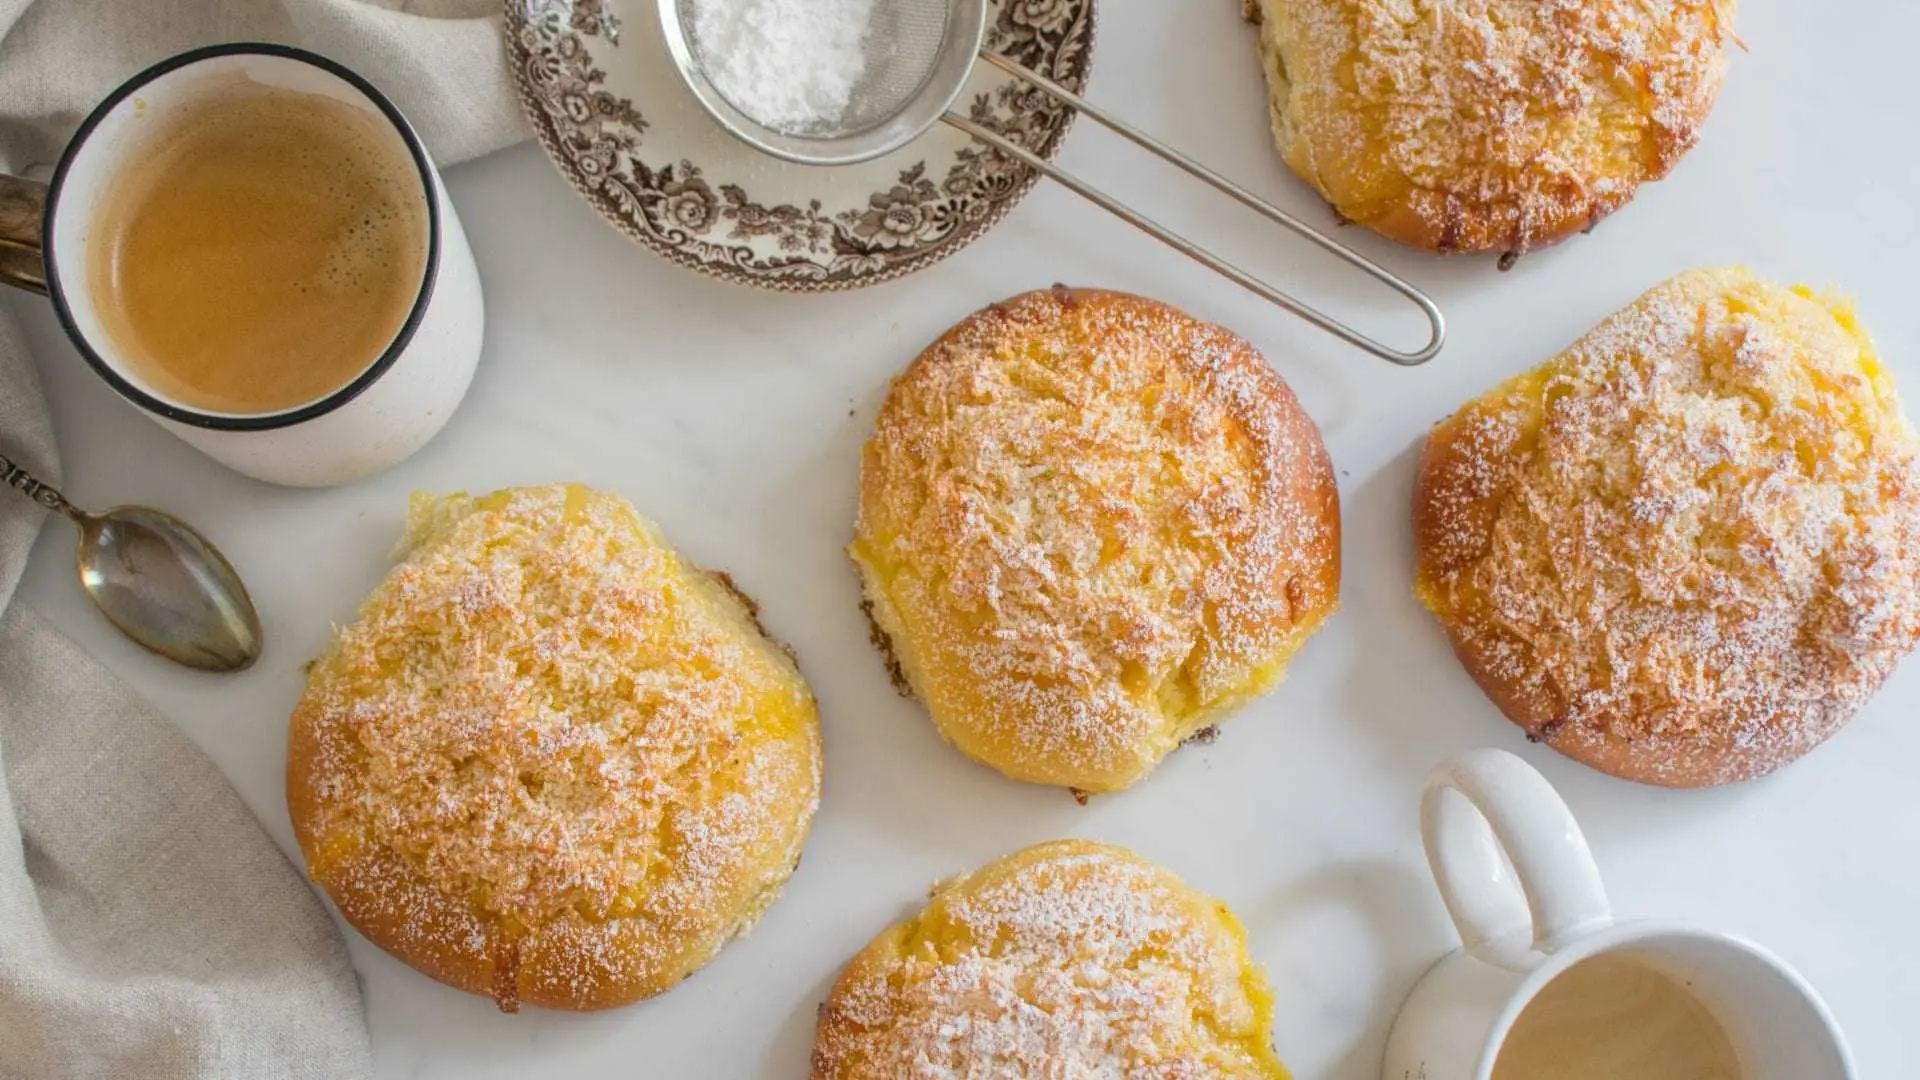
pixel 17 477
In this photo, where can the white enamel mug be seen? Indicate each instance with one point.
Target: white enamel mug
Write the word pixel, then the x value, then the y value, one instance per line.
pixel 400 399
pixel 1528 915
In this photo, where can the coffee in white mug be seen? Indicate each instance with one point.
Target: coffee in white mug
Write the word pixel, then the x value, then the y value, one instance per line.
pixel 1616 1017
pixel 249 244
pixel 261 250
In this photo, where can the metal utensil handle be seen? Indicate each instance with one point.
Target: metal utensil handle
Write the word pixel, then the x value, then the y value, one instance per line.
pixel 23 203
pixel 16 476
pixel 1436 322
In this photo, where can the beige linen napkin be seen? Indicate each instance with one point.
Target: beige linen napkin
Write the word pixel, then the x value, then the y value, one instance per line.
pixel 148 926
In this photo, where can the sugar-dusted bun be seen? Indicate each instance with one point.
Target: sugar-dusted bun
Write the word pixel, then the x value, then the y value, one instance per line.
pixel 1488 125
pixel 1091 526
pixel 1067 959
pixel 552 761
pixel 1687 549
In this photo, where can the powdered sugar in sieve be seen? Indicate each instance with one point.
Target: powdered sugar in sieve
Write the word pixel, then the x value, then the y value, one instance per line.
pixel 821 68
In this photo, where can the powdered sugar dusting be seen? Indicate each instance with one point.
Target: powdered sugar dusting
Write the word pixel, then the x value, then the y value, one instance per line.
pixel 548 740
pixel 790 64
pixel 1067 961
pixel 1686 549
pixel 1089 525
pixel 1489 124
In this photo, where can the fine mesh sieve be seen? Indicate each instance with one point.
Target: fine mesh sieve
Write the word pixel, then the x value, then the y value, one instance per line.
pixel 919 56
pixel 906 41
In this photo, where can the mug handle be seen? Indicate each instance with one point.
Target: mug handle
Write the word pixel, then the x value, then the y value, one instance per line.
pixel 1506 806
pixel 23 206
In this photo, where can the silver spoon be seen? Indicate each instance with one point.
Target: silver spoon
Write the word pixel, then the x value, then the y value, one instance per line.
pixel 156 579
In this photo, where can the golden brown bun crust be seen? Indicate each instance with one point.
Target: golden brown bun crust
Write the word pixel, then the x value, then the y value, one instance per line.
pixel 1089 527
pixel 1488 125
pixel 1065 959
pixel 552 762
pixel 1687 549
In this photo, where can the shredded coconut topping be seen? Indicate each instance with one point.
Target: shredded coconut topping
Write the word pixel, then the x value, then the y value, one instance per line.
pixel 1090 524
pixel 1489 124
pixel 545 722
pixel 1067 961
pixel 1695 534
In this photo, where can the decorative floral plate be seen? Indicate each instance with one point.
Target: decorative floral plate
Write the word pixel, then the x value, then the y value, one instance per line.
pixel 602 95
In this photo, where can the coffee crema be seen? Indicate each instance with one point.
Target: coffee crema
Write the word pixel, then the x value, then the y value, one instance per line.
pixel 261 250
pixel 1616 1017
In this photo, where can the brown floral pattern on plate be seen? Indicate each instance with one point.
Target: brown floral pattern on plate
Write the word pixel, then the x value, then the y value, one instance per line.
pixel 634 144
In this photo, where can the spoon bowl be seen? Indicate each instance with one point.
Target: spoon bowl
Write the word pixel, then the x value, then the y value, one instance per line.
pixel 166 587
pixel 156 580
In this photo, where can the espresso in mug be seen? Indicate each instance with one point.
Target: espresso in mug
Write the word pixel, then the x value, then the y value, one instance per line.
pixel 260 251
pixel 1616 1017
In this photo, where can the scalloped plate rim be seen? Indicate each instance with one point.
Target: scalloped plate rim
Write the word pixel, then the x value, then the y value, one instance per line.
pixel 515 17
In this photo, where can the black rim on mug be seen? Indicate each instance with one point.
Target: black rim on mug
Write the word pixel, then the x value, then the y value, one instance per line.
pixel 221 421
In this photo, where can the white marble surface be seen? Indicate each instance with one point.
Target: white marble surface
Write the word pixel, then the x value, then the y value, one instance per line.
pixel 734 418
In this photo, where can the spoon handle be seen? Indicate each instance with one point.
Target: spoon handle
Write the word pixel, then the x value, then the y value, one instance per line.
pixel 17 477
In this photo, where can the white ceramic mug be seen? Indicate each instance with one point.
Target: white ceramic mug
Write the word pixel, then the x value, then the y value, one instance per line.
pixel 1529 916
pixel 399 400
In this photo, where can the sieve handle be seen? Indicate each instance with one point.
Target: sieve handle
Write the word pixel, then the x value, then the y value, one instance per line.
pixel 1435 321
